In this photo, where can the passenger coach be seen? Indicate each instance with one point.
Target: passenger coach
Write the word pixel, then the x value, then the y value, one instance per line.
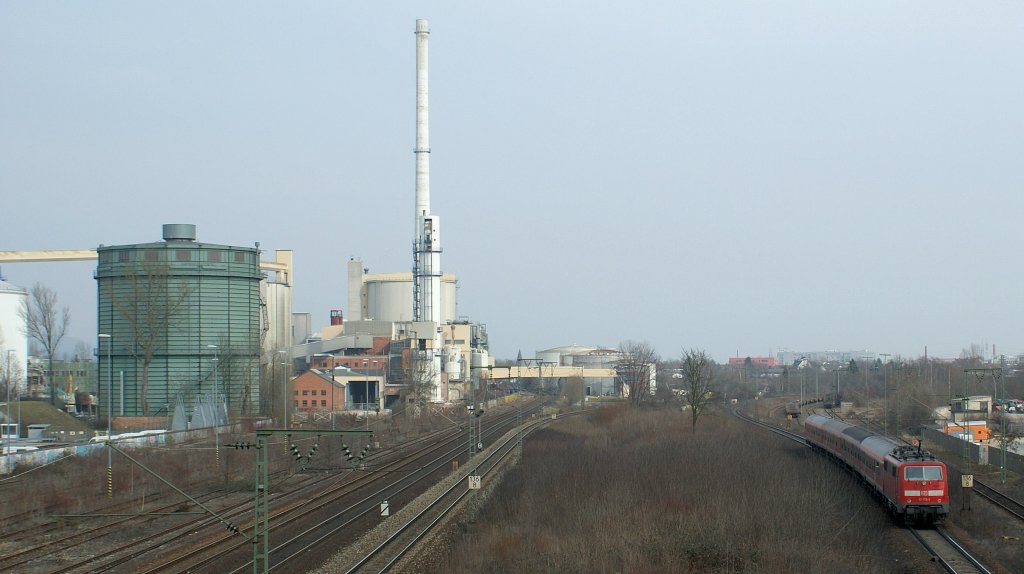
pixel 913 483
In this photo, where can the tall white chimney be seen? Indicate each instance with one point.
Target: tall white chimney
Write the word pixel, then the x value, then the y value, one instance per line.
pixel 427 246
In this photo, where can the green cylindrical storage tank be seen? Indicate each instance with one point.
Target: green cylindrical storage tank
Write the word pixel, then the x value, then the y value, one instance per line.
pixel 180 319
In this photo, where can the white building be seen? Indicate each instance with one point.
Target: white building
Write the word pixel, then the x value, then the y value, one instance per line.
pixel 13 341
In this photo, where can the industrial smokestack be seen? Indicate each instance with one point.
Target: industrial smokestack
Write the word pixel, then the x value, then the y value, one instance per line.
pixel 426 305
pixel 422 149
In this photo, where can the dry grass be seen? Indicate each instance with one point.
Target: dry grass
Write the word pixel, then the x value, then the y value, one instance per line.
pixel 626 491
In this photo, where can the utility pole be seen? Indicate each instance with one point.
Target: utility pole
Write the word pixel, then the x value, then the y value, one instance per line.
pixel 110 414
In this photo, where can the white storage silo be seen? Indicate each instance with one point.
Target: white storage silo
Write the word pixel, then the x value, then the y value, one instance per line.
pixel 388 297
pixel 13 342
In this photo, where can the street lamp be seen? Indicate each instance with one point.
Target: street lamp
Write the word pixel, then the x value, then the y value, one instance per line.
pixel 7 421
pixel 273 380
pixel 284 384
pixel 216 398
pixel 333 384
pixel 213 362
pixel 110 412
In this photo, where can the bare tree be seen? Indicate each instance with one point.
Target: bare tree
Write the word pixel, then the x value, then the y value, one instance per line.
pixel 46 324
pixel 148 308
pixel 10 373
pixel 698 376
pixel 418 374
pixel 1013 434
pixel 81 352
pixel 574 390
pixel 635 369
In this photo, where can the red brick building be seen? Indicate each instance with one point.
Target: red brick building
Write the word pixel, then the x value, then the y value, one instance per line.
pixel 756 361
pixel 317 390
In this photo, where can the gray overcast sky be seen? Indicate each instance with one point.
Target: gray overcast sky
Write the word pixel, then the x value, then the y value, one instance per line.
pixel 734 176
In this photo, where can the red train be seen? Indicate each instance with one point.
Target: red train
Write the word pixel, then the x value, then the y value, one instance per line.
pixel 912 482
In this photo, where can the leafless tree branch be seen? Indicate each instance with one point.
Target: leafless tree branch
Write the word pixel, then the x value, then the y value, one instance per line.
pixel 46 324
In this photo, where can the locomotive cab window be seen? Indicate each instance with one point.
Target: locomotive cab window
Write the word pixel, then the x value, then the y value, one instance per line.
pixel 922 473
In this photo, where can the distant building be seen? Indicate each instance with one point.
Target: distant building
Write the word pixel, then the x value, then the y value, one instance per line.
pixel 755 361
pixel 75 381
pixel 786 357
pixel 592 363
pixel 976 431
pixel 975 406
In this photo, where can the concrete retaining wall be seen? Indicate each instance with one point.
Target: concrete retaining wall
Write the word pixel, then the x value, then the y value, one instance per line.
pixel 989 454
pixel 47 455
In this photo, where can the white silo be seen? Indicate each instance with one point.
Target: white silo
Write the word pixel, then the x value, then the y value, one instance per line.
pixel 453 362
pixel 13 342
pixel 389 297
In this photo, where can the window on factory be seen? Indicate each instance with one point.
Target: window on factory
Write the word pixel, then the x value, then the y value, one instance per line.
pixel 296 403
pixel 152 255
pixel 304 392
pixel 183 255
pixel 239 257
pixel 323 392
pixel 213 256
pixel 323 403
pixel 304 403
pixel 123 256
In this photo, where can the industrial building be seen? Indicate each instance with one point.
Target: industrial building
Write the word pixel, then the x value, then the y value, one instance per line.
pixel 388 348
pixel 414 313
pixel 336 390
pixel 389 296
pixel 178 319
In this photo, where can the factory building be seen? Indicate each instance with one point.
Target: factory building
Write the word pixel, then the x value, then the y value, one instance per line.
pixel 385 347
pixel 389 296
pixel 336 390
pixel 178 320
pixel 599 367
pixel 428 341
pixel 276 292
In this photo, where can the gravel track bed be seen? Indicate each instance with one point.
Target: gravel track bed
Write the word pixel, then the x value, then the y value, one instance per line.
pixel 437 542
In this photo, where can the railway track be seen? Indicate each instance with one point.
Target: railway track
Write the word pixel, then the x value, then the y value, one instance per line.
pixel 135 544
pixel 953 557
pixel 340 511
pixel 1011 505
pixel 795 437
pixel 945 550
pixel 414 528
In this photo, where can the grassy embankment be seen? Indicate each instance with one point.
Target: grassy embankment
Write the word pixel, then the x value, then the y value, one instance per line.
pixel 625 491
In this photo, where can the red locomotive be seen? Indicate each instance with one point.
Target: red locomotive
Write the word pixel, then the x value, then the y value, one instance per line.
pixel 912 482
